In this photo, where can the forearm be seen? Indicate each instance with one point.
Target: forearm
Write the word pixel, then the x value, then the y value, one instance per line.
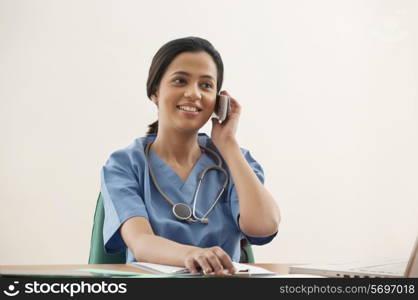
pixel 259 213
pixel 155 249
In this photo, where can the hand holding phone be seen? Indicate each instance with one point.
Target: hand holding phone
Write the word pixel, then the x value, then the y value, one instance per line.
pixel 225 120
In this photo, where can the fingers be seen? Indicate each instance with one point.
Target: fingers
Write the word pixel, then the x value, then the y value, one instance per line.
pixel 235 106
pixel 191 266
pixel 225 260
pixel 216 260
pixel 210 260
pixel 215 263
pixel 204 264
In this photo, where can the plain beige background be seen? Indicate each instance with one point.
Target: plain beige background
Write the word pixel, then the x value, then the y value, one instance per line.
pixel 329 95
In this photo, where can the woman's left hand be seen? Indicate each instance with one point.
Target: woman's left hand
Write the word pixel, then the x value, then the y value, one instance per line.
pixel 224 134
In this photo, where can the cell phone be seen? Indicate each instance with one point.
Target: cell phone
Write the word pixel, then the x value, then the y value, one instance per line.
pixel 222 107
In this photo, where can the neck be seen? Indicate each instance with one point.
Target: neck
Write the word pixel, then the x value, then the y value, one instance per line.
pixel 176 147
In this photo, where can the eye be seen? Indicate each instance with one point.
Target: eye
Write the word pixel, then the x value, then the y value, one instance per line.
pixel 207 85
pixel 179 80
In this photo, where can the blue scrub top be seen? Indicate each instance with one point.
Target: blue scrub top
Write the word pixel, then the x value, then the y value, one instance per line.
pixel 128 191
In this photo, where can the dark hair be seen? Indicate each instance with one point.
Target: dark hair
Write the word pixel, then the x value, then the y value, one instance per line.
pixel 166 55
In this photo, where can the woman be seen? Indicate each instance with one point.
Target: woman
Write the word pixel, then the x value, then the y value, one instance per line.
pixel 139 182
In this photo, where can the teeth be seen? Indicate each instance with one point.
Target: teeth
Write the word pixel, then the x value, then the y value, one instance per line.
pixel 188 108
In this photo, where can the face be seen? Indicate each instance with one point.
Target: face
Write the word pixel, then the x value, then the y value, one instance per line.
pixel 186 95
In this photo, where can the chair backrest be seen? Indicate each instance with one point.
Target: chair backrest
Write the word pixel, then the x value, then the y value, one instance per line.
pixel 98 255
pixel 247 255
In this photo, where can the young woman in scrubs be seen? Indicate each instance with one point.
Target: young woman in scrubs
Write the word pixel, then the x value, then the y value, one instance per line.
pixel 184 78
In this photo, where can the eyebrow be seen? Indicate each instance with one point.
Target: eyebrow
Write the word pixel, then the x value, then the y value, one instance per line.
pixel 188 74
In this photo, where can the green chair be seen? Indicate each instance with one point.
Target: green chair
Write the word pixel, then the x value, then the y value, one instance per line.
pixel 247 255
pixel 98 254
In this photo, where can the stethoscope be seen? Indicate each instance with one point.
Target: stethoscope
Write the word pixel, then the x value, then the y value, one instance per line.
pixel 182 211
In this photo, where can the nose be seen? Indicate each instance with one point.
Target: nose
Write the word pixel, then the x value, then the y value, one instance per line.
pixel 192 92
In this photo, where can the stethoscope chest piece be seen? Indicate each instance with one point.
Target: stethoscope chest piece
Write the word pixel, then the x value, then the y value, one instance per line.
pixel 182 211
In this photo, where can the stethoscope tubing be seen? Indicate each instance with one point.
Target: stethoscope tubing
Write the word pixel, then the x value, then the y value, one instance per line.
pixel 191 216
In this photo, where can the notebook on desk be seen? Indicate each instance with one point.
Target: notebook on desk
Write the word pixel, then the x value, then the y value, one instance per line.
pixel 242 269
pixel 388 268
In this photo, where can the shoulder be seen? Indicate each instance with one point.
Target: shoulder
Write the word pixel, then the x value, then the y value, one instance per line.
pixel 131 156
pixel 205 140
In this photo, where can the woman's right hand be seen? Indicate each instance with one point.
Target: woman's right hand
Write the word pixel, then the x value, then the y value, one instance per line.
pixel 209 260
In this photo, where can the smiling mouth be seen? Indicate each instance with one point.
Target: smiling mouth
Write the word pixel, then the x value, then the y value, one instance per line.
pixel 188 108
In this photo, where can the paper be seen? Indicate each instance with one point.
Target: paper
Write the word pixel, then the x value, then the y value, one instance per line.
pixel 160 269
pixel 252 270
pixel 113 273
pixel 241 269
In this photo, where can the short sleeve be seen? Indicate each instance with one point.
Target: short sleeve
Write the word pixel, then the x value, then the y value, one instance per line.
pixel 258 170
pixel 120 188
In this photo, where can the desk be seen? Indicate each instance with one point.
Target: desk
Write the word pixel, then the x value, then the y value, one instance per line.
pixel 72 270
